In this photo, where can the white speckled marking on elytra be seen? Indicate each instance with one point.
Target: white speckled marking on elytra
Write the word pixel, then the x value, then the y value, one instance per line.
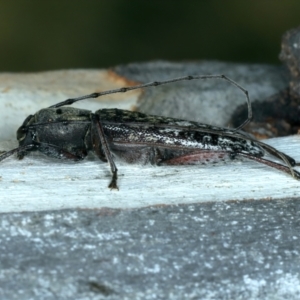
pixel 183 123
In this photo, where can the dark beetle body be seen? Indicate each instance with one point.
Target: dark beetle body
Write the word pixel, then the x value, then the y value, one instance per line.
pixel 132 136
pixel 160 140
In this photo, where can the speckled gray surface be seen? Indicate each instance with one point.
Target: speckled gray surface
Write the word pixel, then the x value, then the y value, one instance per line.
pixel 246 250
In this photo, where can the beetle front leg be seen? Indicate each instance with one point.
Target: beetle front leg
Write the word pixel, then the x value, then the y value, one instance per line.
pixel 60 153
pixel 113 183
pixel 19 150
pixel 100 143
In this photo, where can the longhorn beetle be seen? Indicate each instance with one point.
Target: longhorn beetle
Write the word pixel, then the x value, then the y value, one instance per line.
pixel 70 133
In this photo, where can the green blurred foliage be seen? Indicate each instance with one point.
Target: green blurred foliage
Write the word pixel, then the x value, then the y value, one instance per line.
pixel 41 35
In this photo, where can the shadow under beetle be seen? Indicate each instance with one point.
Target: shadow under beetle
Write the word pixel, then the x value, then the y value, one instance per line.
pixel 70 133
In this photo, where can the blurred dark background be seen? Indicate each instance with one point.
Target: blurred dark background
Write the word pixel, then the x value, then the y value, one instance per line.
pixel 43 35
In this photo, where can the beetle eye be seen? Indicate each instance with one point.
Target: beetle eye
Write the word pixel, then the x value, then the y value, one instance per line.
pixel 21 133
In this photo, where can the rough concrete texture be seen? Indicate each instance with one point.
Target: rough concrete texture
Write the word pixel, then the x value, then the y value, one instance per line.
pixel 236 250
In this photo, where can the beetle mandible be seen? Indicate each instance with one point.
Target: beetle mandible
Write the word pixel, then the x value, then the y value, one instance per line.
pixel 70 133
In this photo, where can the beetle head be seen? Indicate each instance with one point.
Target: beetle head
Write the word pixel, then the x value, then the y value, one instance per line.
pixel 24 138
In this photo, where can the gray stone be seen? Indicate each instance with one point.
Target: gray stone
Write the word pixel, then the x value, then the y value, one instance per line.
pixel 232 250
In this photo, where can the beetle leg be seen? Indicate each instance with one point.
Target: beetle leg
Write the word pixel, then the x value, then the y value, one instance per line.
pixel 284 157
pixel 97 122
pixel 287 169
pixel 61 153
pixel 204 157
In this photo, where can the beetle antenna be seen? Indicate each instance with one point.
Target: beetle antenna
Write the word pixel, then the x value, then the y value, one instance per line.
pixel 156 83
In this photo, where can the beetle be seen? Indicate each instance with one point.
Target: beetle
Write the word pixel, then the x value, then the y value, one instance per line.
pixel 70 133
